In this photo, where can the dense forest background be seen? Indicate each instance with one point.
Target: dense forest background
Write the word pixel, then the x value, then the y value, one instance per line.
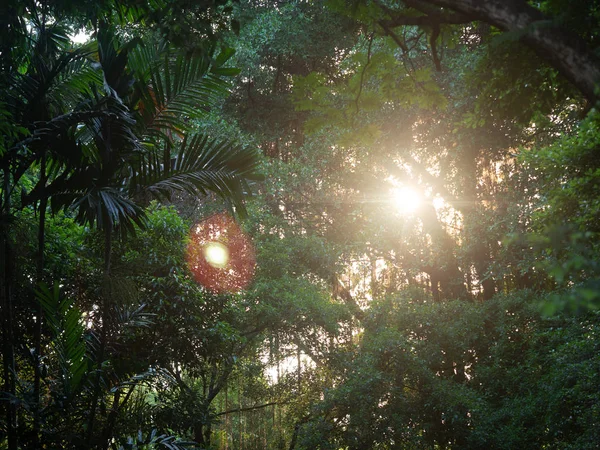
pixel 338 224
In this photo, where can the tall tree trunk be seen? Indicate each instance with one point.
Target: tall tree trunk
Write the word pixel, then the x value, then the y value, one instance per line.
pixel 299 362
pixel 294 437
pixel 38 310
pixel 104 314
pixel 8 359
pixel 374 281
pixel 434 279
pixel 226 417
pixel 207 434
pixel 111 421
pixel 240 431
pixel 199 434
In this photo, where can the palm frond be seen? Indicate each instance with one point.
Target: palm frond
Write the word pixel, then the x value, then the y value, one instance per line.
pixel 128 317
pixel 114 58
pixel 150 378
pixel 56 83
pixel 173 90
pixel 55 134
pixel 108 207
pixel 49 38
pixel 153 440
pixel 60 124
pixel 74 83
pixel 114 135
pixel 203 165
pixel 128 13
pixel 68 344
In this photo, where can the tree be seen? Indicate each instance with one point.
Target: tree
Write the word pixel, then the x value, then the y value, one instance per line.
pixel 425 233
pixel 564 49
pixel 381 110
pixel 86 128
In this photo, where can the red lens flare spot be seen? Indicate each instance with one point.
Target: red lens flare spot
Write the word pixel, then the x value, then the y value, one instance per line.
pixel 220 255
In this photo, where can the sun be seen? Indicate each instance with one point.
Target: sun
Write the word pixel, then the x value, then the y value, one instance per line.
pixel 406 199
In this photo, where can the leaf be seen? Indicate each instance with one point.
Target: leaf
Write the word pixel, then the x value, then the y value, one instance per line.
pixel 223 57
pixel 108 207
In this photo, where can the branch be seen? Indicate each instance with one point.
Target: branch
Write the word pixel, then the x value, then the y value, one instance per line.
pixel 565 51
pixel 431 13
pixel 177 376
pixel 440 15
pixel 562 49
pixel 341 291
pixel 402 20
pixel 249 408
pixel 308 352
pixel 432 17
pixel 434 35
pixel 399 19
pixel 221 381
pixel 393 35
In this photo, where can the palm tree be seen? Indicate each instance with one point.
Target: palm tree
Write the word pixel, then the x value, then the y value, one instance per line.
pixel 37 98
pixel 106 131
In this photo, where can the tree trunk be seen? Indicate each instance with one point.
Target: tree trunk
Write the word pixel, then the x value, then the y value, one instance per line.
pixel 104 314
pixel 199 434
pixel 240 431
pixel 374 281
pixel 38 311
pixel 226 418
pixel 8 358
pixel 294 437
pixel 434 281
pixel 112 418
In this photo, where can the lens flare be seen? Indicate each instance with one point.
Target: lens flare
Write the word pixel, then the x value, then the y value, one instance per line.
pixel 216 254
pixel 220 255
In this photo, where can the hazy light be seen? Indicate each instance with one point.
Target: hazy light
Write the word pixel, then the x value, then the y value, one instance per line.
pixel 438 203
pixel 81 37
pixel 407 200
pixel 216 254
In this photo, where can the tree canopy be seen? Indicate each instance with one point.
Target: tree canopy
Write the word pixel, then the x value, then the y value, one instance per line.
pixel 339 224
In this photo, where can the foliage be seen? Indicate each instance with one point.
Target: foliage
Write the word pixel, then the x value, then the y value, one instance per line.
pixel 455 375
pixel 89 127
pixel 153 441
pixel 465 317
